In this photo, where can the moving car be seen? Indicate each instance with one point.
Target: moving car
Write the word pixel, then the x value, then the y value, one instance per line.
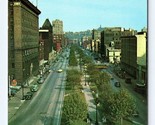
pixel 59 70
pixel 28 95
pixel 117 84
pixel 34 88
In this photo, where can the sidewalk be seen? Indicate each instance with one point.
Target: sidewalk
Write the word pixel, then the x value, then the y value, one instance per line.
pixel 91 103
pixel 16 101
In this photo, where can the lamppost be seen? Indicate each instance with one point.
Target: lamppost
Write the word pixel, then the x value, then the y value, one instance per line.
pixel 23 85
pixel 96 101
pixel 85 68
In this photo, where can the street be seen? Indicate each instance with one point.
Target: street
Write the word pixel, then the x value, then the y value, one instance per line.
pixel 45 106
pixel 141 102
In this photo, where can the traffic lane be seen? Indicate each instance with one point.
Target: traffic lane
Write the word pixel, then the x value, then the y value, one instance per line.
pixel 59 102
pixel 60 99
pixel 32 108
pixel 40 101
pixel 141 105
pixel 112 81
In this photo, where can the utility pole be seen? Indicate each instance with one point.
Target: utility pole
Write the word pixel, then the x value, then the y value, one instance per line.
pixel 36 3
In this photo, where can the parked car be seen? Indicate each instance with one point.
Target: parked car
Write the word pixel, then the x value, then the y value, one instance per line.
pixel 28 95
pixel 128 80
pixel 40 80
pixel 13 92
pixel 140 88
pixel 117 84
pixel 112 78
pixel 135 113
pixel 34 88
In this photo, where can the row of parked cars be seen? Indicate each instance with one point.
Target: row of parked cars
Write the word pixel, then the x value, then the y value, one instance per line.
pixel 33 88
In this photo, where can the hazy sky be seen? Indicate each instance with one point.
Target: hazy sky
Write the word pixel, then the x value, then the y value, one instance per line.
pixel 79 15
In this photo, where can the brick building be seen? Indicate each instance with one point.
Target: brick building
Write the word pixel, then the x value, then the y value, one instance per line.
pixel 23 37
pixel 46 43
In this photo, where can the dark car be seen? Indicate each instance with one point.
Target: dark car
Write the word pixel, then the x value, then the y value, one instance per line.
pixel 141 88
pixel 128 80
pixel 28 95
pixel 41 80
pixel 34 88
pixel 13 92
pixel 117 84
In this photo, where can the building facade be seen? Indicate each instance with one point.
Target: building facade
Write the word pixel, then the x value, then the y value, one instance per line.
pixel 96 41
pixel 46 34
pixel 58 34
pixel 23 40
pixel 113 34
pixel 108 35
pixel 114 55
pixel 133 56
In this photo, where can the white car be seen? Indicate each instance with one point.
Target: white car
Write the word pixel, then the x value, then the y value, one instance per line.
pixel 59 70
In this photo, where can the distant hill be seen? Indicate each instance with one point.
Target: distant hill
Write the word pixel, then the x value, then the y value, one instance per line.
pixel 79 35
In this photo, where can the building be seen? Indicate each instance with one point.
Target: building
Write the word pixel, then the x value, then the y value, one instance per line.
pixel 46 42
pixel 58 34
pixel 22 40
pixel 113 34
pixel 133 56
pixel 96 41
pixel 46 34
pixel 113 55
pixel 108 35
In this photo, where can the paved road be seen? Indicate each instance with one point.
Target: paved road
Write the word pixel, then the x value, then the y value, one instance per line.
pixel 45 106
pixel 141 102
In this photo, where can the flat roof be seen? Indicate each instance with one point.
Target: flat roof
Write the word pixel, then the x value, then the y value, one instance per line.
pixel 43 30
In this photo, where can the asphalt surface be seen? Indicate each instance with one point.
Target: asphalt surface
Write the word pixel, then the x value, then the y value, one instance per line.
pixel 45 106
pixel 141 101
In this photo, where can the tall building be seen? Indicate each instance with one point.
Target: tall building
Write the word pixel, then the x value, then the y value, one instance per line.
pixel 46 34
pixel 23 37
pixel 58 34
pixel 96 41
pixel 133 56
pixel 46 44
pixel 109 35
pixel 112 35
pixel 57 26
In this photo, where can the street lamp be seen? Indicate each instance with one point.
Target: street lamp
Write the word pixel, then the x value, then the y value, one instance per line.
pixel 96 101
pixel 85 68
pixel 23 86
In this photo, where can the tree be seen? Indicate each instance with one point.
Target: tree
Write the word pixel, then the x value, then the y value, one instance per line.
pixel 72 57
pixel 73 79
pixel 77 122
pixel 74 108
pixel 118 106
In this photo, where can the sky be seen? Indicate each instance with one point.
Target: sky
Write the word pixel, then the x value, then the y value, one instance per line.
pixel 80 15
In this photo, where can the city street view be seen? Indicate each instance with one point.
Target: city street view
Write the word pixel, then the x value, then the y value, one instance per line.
pixel 77 62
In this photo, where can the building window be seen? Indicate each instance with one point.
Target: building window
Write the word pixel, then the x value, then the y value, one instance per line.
pixel 13 65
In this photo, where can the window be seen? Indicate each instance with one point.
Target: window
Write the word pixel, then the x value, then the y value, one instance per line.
pixel 13 65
